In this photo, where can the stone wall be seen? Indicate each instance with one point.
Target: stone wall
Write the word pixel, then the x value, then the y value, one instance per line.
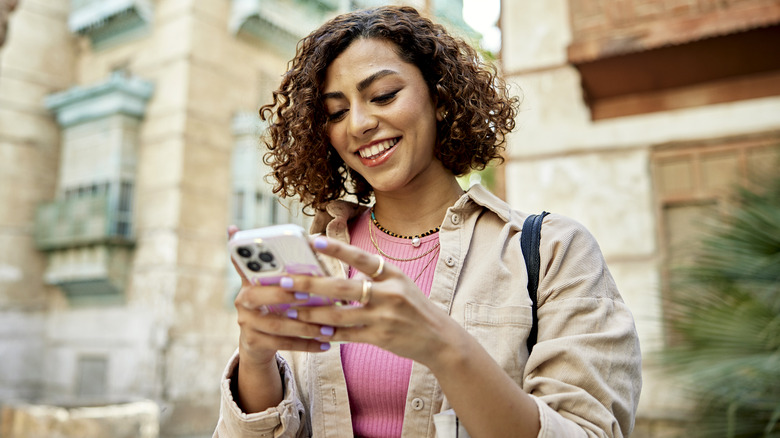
pixel 169 339
pixel 603 28
pixel 599 172
pixel 128 420
pixel 31 67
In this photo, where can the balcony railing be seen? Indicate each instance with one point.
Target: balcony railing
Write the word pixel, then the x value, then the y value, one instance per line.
pixel 81 221
pixel 105 21
pixel 278 23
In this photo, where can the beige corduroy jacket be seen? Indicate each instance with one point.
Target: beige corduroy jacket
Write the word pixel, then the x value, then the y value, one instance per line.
pixel 585 370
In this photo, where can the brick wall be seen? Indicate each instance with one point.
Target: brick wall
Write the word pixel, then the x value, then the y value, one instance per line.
pixel 611 27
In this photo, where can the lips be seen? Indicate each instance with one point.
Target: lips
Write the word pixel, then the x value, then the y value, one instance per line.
pixel 376 149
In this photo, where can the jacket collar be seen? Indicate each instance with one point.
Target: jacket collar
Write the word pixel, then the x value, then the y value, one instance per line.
pixel 334 219
pixel 478 196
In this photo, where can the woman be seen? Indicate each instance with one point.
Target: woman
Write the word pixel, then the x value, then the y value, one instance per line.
pixel 384 104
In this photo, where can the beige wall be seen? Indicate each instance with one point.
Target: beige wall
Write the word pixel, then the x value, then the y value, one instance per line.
pixel 599 172
pixel 29 139
pixel 29 157
pixel 170 340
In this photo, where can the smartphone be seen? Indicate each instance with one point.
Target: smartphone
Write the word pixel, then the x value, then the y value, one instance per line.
pixel 265 255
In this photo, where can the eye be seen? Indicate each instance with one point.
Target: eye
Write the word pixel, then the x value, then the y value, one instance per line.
pixel 385 98
pixel 338 115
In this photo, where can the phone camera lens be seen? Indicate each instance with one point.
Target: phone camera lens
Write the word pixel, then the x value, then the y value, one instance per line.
pixel 254 266
pixel 244 252
pixel 266 256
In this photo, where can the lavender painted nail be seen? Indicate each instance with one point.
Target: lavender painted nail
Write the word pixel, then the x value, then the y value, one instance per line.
pixel 292 313
pixel 320 243
pixel 327 330
pixel 286 282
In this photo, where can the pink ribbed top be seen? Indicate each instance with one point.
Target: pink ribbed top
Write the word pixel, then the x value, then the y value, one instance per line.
pixel 377 381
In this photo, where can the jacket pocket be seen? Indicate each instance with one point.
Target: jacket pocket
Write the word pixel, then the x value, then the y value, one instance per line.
pixel 503 332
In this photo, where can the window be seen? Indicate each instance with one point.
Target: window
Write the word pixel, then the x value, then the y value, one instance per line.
pixel 692 182
pixel 124 214
pixel 87 231
pixel 92 378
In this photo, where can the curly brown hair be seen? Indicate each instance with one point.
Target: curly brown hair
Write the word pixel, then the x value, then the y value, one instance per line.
pixel 480 111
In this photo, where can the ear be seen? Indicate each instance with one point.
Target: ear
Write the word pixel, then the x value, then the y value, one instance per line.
pixel 441 114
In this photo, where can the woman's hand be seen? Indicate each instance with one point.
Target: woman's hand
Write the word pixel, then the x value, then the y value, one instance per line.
pixel 264 332
pixel 259 384
pixel 396 315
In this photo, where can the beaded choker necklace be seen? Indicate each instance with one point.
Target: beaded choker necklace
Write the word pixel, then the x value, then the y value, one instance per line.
pixel 398 259
pixel 415 239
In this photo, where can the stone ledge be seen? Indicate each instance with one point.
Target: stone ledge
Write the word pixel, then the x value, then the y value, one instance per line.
pixel 106 21
pixel 138 419
pixel 279 23
pixel 120 94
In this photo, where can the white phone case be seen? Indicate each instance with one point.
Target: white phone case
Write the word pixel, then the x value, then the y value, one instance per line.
pixel 265 255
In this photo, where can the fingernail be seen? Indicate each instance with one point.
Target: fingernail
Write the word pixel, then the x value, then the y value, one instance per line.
pixel 292 313
pixel 286 282
pixel 325 346
pixel 301 296
pixel 327 330
pixel 320 243
pixel 231 228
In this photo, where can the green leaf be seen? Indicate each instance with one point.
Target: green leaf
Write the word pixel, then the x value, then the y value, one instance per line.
pixel 726 319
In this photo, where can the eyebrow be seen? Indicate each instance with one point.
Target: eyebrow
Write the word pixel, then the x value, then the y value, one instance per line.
pixel 362 85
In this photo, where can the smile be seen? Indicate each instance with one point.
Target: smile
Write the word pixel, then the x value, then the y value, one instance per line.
pixel 374 150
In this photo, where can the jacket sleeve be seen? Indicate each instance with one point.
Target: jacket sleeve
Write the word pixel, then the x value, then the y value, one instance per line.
pixel 585 371
pixel 285 420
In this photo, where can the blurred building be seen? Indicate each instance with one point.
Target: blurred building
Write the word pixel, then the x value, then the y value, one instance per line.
pixel 638 118
pixel 129 141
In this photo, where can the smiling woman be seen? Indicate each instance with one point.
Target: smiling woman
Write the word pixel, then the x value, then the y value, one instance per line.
pixel 480 112
pixel 386 106
pixel 382 120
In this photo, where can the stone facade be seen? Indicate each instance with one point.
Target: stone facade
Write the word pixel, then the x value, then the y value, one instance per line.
pixel 29 144
pixel 167 333
pixel 600 172
pixel 169 336
pixel 213 63
pixel 127 420
pixel 602 28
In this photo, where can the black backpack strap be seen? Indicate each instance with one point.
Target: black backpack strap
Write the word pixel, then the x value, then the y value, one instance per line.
pixel 530 239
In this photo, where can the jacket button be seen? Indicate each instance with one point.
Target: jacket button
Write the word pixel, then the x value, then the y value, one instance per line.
pixel 418 404
pixel 450 261
pixel 455 219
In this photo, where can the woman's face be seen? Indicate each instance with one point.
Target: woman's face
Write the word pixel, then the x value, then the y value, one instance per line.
pixel 382 120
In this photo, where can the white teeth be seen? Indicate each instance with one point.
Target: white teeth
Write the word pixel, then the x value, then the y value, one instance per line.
pixel 377 148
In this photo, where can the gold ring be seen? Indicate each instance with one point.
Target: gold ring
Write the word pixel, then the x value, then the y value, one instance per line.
pixel 365 297
pixel 381 267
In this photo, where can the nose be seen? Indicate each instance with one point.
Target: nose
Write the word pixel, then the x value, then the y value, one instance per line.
pixel 361 120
